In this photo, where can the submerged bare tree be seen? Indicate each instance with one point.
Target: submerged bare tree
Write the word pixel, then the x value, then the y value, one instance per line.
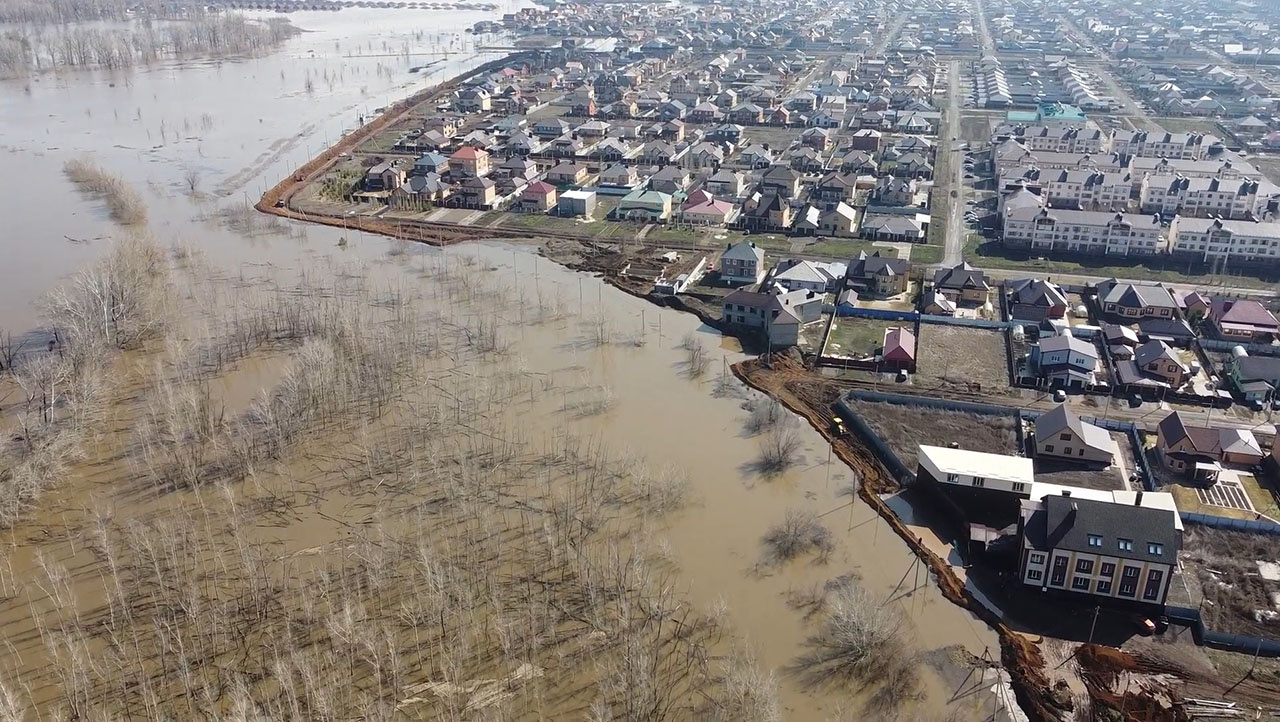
pixel 123 202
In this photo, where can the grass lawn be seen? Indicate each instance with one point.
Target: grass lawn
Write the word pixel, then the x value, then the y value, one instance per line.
pixel 841 249
pixel 856 337
pixel 926 253
pixel 1263 500
pixel 770 240
pixel 991 254
pixel 1189 501
pixel 677 234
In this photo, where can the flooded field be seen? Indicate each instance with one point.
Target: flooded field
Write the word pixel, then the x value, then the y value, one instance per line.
pixel 344 475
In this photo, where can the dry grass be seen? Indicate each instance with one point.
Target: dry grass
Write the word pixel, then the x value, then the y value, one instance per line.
pixel 963 358
pixel 1224 563
pixel 123 202
pixel 904 428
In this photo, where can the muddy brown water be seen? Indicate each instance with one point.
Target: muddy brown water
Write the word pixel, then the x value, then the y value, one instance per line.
pixel 261 126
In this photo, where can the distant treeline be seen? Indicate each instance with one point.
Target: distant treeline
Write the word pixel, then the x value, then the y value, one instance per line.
pixel 75 11
pixel 37 47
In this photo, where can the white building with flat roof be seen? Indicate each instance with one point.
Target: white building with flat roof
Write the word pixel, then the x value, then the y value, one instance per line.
pixel 961 467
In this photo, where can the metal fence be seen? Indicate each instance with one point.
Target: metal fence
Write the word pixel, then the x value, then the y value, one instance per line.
pixel 1248 526
pixel 1188 617
pixel 1258 349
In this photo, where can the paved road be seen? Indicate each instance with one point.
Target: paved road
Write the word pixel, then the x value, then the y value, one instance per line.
pixel 984 33
pixel 953 242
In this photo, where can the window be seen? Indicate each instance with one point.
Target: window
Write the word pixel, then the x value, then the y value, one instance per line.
pixel 1034 575
pixel 1084 566
pixel 1128 588
pixel 1065 437
pixel 1048 448
pixel 953 478
pixel 1104 586
pixel 1095 540
pixel 1155 549
pixel 1019 486
pixel 1107 569
pixel 979 481
pixel 1152 590
pixel 1125 545
pixel 1080 583
pixel 1131 572
pixel 1037 558
pixel 1059 571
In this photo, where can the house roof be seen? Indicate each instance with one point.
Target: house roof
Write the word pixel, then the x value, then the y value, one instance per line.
pixel 877 265
pixel 1036 292
pixel 1155 350
pixel 1068 343
pixel 899 342
pixel 944 460
pixel 1067 522
pixel 744 251
pixel 750 299
pixel 1053 422
pixel 539 188
pixel 804 272
pixel 960 277
pixel 1135 295
pixel 1226 311
pixel 466 152
pixel 1207 440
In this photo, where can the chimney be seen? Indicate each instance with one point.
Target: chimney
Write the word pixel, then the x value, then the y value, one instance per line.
pixel 1067 492
pixel 1137 500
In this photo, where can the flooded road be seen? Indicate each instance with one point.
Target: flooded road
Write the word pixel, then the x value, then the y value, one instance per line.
pixel 617 354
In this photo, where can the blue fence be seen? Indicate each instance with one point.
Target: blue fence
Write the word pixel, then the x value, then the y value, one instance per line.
pixel 970 322
pixel 932 403
pixel 882 451
pixel 1187 617
pixel 1260 526
pixel 879 314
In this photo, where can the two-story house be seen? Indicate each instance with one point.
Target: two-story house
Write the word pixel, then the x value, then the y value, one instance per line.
pixel 1063 435
pixel 742 263
pixel 1066 361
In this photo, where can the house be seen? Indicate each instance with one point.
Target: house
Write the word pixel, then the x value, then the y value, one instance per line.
pixel 649 206
pixel 476 192
pixel 726 183
pixel 1033 299
pixel 781 180
pixel 385 176
pixel 840 222
pixel 777 315
pixel 418 191
pixel 517 167
pixel 619 175
pixel 742 263
pixel 756 156
pixel 767 212
pixel 1130 300
pixel 877 276
pixel 817 138
pixel 1101 550
pixel 473 100
pixel 710 212
pixel 1065 361
pixel 1256 378
pixel 551 128
pixel 898 349
pixel 1224 241
pixel 894 192
pixel 746 114
pixel 659 152
pixel 962 284
pixel 577 203
pixel 939 305
pixel 956 467
pixel 895 227
pixel 1156 359
pixel 1243 320
pixel 430 163
pixel 705 155
pixel 538 197
pixel 1200 451
pixel 806 160
pixel 612 150
pixel 468 162
pixel 834 188
pixel 866 139
pixel 795 275
pixel 568 174
pixel 1030 225
pixel 1192 304
pixel 1061 434
pixel 671 180
pixel 523 144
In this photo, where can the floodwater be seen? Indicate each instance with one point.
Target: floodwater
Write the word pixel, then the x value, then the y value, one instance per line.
pixel 244 124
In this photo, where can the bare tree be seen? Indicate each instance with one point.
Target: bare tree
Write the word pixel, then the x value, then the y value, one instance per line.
pixel 798 533
pixel 192 178
pixel 779 450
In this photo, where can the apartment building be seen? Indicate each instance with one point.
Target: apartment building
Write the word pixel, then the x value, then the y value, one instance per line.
pixel 1078 231
pixel 1214 239
pixel 1209 197
pixel 1160 144
pixel 1227 168
pixel 1061 139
